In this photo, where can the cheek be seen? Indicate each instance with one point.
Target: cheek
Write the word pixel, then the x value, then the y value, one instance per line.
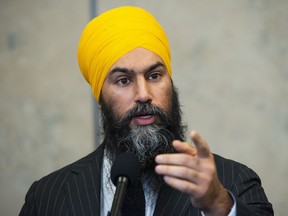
pixel 164 98
pixel 168 101
pixel 119 104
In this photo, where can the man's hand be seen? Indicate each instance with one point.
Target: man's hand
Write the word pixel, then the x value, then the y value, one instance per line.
pixel 192 170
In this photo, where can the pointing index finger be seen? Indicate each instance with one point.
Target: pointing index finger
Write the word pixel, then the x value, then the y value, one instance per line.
pixel 200 144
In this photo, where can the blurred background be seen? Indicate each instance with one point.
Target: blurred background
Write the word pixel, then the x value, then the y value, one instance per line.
pixel 230 63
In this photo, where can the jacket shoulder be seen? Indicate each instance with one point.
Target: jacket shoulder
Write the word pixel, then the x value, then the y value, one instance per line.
pixel 229 171
pixel 47 195
pixel 74 167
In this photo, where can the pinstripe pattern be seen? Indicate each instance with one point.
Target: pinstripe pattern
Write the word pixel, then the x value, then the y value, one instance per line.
pixel 75 190
pixel 245 185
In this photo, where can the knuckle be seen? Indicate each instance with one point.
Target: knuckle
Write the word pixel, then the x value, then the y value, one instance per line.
pixel 186 188
pixel 192 175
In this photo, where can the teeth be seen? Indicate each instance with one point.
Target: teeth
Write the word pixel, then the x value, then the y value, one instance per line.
pixel 145 117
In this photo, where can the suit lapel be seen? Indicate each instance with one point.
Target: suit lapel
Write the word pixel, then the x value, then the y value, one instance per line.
pixel 83 185
pixel 171 202
pixel 83 191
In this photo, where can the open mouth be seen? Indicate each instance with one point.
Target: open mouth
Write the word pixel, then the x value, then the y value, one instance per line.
pixel 144 118
pixel 144 115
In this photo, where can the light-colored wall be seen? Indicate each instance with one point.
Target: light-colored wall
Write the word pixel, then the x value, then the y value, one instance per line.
pixel 45 106
pixel 229 61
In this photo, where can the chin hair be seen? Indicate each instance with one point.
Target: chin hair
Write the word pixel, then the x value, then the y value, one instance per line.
pixel 148 141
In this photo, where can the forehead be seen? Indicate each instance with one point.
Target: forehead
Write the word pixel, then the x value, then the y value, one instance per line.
pixel 137 59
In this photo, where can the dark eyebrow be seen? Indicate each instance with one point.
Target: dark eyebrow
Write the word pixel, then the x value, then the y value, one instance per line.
pixel 119 69
pixel 154 66
pixel 126 70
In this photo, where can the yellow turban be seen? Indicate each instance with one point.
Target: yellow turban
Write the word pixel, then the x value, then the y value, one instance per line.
pixel 113 34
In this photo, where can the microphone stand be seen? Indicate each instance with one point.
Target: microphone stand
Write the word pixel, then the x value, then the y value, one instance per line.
pixel 122 183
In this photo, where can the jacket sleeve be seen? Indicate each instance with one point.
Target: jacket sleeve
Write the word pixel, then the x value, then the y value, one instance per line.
pixel 249 194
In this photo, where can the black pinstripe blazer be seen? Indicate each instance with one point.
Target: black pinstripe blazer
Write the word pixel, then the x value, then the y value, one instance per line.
pixel 75 190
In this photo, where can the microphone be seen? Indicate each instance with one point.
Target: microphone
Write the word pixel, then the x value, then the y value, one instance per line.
pixel 124 173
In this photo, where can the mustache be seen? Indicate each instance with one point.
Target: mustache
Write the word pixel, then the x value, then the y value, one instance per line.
pixel 145 108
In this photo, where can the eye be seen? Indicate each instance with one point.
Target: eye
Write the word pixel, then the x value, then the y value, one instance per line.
pixel 154 76
pixel 123 81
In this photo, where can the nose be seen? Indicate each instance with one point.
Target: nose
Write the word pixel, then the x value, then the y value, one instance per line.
pixel 143 91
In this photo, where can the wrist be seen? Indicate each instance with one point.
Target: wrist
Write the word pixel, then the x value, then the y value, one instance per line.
pixel 221 205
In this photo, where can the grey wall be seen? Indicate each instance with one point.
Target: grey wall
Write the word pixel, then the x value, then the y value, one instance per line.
pixel 229 62
pixel 45 110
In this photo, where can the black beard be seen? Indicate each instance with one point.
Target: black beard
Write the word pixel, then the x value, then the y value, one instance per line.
pixel 145 141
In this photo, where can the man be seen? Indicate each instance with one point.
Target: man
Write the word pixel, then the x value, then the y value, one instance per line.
pixel 124 54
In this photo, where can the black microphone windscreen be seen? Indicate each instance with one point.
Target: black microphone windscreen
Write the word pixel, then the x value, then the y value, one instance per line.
pixel 126 165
